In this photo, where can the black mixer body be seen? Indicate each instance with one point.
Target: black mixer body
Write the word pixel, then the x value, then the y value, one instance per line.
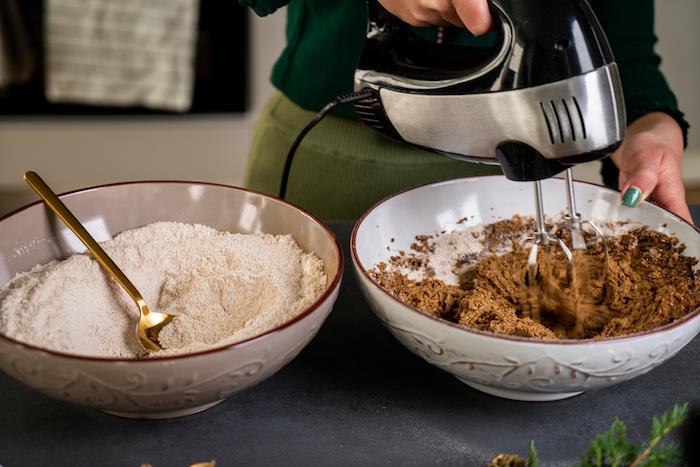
pixel 547 96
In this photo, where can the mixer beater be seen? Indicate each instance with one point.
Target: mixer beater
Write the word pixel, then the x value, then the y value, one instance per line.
pixel 572 307
pixel 545 238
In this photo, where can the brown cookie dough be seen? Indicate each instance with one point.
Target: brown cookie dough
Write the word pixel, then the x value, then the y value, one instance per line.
pixel 645 283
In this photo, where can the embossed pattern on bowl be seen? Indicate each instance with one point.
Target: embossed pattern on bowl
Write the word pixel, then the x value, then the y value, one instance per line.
pixel 172 386
pixel 510 367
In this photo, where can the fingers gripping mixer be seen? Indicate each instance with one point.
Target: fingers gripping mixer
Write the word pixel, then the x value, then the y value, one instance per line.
pixel 545 97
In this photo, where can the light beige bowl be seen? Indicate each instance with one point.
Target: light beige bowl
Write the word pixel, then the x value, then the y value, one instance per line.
pixel 510 367
pixel 170 386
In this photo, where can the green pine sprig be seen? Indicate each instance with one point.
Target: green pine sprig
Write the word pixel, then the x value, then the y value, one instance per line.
pixel 532 459
pixel 612 449
pixel 660 427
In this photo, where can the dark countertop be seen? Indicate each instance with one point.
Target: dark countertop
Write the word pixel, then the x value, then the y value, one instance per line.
pixel 354 396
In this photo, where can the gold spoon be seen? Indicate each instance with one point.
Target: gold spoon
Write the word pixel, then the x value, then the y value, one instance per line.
pixel 150 323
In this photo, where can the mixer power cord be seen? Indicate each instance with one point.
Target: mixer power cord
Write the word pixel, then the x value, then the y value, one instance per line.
pixel 342 99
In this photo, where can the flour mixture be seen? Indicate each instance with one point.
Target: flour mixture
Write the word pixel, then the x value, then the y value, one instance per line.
pixel 222 287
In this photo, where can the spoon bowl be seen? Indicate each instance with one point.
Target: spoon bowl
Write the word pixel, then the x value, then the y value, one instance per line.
pixel 149 326
pixel 150 323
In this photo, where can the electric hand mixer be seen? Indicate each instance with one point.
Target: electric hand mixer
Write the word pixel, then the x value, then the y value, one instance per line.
pixel 546 98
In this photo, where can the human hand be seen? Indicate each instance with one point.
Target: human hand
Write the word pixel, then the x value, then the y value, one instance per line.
pixel 649 160
pixel 472 14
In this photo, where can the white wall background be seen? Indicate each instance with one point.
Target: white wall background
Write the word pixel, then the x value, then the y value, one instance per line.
pixel 73 153
pixel 678 29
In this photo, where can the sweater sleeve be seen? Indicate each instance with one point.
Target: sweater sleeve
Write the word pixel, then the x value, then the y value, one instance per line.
pixel 629 26
pixel 264 7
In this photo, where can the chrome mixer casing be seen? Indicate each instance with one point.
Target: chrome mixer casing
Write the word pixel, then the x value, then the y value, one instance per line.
pixel 548 97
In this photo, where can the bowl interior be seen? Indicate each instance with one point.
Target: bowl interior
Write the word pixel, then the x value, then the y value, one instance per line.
pixel 34 236
pixel 461 203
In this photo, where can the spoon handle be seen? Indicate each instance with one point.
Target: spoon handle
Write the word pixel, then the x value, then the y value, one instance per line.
pixel 57 206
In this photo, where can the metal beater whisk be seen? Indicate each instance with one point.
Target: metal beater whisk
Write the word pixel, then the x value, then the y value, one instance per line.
pixel 543 237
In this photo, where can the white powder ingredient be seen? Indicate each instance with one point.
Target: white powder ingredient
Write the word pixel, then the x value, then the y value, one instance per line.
pixel 222 287
pixel 448 248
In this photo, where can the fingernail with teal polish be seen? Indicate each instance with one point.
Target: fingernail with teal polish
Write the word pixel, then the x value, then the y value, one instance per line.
pixel 632 197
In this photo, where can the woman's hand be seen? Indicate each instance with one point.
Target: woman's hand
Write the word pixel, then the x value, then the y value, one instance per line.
pixel 472 14
pixel 650 163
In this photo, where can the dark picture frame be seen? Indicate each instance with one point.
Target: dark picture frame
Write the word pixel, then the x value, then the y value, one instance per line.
pixel 221 68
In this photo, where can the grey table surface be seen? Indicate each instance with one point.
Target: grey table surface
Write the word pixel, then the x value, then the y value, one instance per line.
pixel 354 396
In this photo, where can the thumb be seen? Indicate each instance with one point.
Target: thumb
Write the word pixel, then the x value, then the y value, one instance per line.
pixel 474 14
pixel 642 180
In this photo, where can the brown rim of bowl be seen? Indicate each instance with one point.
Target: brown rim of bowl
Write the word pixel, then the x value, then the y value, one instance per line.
pixel 356 261
pixel 308 311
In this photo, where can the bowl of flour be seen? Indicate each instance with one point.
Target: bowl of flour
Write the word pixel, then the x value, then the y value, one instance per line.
pixel 250 279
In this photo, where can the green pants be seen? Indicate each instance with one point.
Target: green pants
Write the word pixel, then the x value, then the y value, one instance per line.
pixel 342 167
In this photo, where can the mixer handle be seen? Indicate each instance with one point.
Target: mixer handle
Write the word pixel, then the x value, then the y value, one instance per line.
pixel 416 64
pixel 556 39
pixel 563 38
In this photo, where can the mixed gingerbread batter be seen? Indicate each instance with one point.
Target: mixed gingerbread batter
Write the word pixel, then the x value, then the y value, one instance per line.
pixel 645 283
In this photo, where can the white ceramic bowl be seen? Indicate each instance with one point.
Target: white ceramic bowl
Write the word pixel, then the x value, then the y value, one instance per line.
pixel 170 386
pixel 510 367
